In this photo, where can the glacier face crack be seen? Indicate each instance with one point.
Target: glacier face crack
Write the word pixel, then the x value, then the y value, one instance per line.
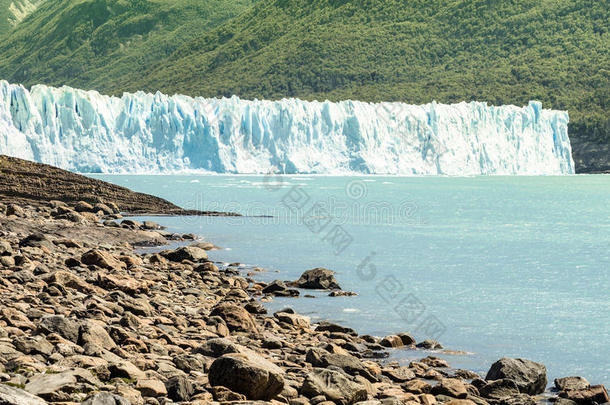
pixel 84 131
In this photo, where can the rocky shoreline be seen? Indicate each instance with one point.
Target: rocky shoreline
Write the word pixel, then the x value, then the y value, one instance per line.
pixel 85 317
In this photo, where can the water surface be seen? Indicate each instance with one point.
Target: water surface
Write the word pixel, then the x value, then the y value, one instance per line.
pixel 496 266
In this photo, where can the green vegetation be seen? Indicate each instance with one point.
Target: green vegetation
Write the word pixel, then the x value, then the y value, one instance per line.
pixel 14 11
pixel 500 51
pixel 98 43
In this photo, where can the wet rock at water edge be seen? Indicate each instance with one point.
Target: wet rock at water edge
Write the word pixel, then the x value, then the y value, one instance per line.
pixel 318 279
pixel 529 376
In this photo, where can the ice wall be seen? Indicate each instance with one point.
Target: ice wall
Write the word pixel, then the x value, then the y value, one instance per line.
pixel 155 133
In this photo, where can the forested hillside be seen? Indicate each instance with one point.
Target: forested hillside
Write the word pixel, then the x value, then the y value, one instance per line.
pixel 500 51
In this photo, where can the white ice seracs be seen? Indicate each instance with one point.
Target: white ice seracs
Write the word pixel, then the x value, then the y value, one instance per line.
pixel 155 133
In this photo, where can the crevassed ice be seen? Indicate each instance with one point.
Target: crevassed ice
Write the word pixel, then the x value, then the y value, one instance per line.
pixel 155 133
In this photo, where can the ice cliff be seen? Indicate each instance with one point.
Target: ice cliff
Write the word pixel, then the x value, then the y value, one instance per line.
pixel 155 133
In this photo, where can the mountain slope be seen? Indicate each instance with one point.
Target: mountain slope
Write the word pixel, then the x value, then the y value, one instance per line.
pixel 500 51
pixel 12 12
pixel 93 43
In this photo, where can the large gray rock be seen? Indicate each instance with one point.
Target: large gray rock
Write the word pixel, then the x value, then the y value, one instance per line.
pixel 15 396
pixel 65 327
pixel 106 398
pixel 248 374
pixel 190 253
pixel 571 383
pixel 498 389
pixel 216 347
pixel 334 385
pixel 529 376
pixel 58 387
pixel 318 278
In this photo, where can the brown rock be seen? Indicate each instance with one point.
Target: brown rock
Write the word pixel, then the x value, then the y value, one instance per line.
pixel 334 386
pixel 451 387
pixel 151 388
pixel 529 375
pixel 593 394
pixel 571 383
pixel 248 374
pixel 101 259
pixel 318 278
pixel 391 341
pixel 236 318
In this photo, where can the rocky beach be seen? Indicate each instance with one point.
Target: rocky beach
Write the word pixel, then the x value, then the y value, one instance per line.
pixel 88 315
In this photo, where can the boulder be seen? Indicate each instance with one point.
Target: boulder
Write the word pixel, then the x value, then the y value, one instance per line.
pixel 248 374
pixel 65 327
pixel 351 365
pixel 16 396
pixel 106 398
pixel 571 383
pixel 56 387
pixel 391 341
pixel 407 339
pixel 33 345
pixel 593 394
pixel 333 327
pixel 529 376
pixel 236 318
pixel 83 206
pixel 102 259
pixel 91 332
pixel 450 387
pixel 429 344
pixel 150 387
pixel 16 210
pixel 498 389
pixel 399 374
pixel 298 321
pixel 190 253
pixel 318 278
pixel 216 347
pixel 417 387
pixel 278 288
pixel 179 388
pixel 5 248
pixel 69 280
pixel 334 386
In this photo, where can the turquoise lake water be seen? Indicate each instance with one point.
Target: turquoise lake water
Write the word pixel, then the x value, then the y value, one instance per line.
pixel 495 266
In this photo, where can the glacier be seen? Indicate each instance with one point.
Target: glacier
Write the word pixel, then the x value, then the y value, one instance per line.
pixel 85 131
